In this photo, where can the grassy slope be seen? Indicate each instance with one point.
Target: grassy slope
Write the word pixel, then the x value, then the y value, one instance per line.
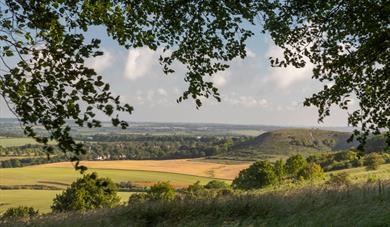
pixel 286 142
pixel 39 199
pixel 362 205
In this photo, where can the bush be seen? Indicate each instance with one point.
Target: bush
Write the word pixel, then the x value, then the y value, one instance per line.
pixel 137 198
pixel 295 164
pixel 20 212
pixel 216 184
pixel 279 170
pixel 161 191
pixel 125 186
pixel 258 175
pixel 372 179
pixel 312 171
pixel 373 161
pixel 88 192
pixel 340 179
pixel 346 156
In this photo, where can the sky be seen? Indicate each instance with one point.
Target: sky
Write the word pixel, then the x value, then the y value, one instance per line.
pixel 252 91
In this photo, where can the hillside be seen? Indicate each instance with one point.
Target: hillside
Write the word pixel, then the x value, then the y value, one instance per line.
pixel 286 142
pixel 357 205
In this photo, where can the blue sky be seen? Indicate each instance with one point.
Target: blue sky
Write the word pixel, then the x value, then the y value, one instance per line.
pixel 252 92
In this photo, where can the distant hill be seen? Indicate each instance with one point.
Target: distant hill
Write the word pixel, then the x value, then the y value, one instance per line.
pixel 285 142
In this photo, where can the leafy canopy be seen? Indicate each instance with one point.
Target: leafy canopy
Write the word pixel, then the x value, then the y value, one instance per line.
pixel 44 80
pixel 50 84
pixel 161 191
pixel 258 175
pixel 347 42
pixel 88 192
pixel 295 164
pixel 19 212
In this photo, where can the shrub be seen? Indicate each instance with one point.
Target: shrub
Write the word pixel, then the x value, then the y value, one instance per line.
pixel 373 161
pixel 88 192
pixel 357 163
pixel 279 169
pixel 20 212
pixel 295 164
pixel 161 191
pixel 340 179
pixel 216 184
pixel 258 175
pixel 137 198
pixel 372 179
pixel 312 171
pixel 194 191
pixel 346 156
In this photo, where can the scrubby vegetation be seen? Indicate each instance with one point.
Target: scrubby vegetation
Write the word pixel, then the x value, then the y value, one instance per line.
pixel 20 212
pixel 309 206
pixel 88 192
pixel 262 173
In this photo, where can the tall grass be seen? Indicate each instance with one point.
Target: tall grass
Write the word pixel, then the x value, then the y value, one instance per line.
pixel 358 205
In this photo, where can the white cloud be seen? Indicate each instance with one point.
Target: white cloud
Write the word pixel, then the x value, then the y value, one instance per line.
pixel 140 63
pixel 284 77
pixel 247 101
pixel 149 95
pixel 100 63
pixel 162 92
pixel 221 78
pixel 250 53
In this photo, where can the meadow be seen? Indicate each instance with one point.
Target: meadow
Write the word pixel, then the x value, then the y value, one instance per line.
pixel 358 205
pixel 16 141
pixel 62 176
pixel 39 199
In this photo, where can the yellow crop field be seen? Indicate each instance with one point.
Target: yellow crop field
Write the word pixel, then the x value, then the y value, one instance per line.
pixel 181 166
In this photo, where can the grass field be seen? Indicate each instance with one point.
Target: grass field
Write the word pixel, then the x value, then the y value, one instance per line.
pixel 60 176
pixel 39 199
pixel 11 142
pixel 195 167
pixel 357 205
pixel 17 141
pixel 57 176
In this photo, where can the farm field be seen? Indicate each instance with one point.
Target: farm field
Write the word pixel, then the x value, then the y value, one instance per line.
pixel 39 199
pixel 62 176
pixel 15 141
pixel 196 167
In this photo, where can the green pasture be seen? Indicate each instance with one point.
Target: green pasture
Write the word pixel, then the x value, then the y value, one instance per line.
pixel 58 176
pixel 61 177
pixel 18 141
pixel 39 199
pixel 13 142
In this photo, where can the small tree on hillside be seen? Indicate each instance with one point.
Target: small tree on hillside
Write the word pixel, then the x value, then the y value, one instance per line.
pixel 258 175
pixel 312 171
pixel 340 179
pixel 161 191
pixel 88 192
pixel 19 212
pixel 373 161
pixel 279 169
pixel 295 164
pixel 216 184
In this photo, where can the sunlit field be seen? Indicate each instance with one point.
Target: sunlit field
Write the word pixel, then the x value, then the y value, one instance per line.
pixel 195 167
pixel 39 199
